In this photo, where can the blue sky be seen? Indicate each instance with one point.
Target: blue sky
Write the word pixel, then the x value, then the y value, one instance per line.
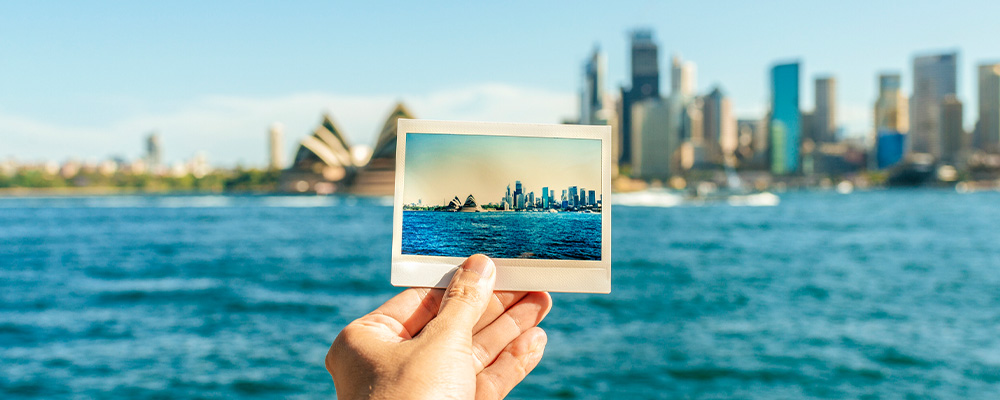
pixel 91 79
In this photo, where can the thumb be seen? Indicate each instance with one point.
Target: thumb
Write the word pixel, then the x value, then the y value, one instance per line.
pixel 467 295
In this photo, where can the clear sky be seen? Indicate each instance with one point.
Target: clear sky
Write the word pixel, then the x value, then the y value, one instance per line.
pixel 90 79
pixel 441 166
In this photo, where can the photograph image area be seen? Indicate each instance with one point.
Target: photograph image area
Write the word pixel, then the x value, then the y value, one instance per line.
pixel 503 196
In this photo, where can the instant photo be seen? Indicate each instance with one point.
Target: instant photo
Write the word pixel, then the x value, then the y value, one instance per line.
pixel 534 198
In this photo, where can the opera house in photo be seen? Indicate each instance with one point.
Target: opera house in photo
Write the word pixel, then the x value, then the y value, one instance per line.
pixel 324 162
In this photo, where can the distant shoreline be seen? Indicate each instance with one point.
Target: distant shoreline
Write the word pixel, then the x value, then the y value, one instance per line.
pixel 116 191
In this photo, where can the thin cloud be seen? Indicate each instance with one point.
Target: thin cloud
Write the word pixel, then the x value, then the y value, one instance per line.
pixel 234 129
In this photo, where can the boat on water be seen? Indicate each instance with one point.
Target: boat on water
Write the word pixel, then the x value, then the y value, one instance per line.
pixel 704 193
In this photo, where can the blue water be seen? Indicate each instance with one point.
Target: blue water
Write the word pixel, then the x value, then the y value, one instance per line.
pixel 888 294
pixel 552 236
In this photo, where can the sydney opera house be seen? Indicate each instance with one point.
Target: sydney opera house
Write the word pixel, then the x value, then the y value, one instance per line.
pixel 324 162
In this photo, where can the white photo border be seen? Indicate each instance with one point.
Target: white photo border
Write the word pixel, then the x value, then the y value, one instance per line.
pixel 583 276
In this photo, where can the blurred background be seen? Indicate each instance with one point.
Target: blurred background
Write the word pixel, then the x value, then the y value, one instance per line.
pixel 195 198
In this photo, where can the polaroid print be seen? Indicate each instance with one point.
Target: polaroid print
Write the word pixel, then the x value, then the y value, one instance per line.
pixel 533 197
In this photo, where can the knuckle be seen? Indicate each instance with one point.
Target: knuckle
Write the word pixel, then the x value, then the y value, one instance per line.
pixel 465 293
pixel 480 355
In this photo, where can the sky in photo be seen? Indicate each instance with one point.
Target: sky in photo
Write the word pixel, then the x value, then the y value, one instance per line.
pixel 442 166
pixel 91 79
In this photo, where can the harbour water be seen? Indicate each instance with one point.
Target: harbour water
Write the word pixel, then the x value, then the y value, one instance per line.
pixel 542 235
pixel 884 294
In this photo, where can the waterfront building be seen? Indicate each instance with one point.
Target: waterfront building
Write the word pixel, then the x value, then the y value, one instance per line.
pixel 752 138
pixel 824 117
pixel 154 153
pixel 276 146
pixel 574 199
pixel 889 148
pixel 531 199
pixel 952 131
pixel 719 130
pixel 592 94
pixel 591 197
pixel 682 77
pixel 891 108
pixel 324 161
pixel 645 85
pixel 517 188
pixel 656 130
pixel 987 134
pixel 934 77
pixel 784 125
pixel 470 205
pixel 545 197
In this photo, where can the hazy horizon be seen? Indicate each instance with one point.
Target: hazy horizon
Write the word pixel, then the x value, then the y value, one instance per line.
pixel 440 167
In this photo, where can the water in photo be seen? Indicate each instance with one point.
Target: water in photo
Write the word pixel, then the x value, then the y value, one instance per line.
pixel 503 196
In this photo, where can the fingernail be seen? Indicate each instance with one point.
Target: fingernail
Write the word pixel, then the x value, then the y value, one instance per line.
pixel 481 265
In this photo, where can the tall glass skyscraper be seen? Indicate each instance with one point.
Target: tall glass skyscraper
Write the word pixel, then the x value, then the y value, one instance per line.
pixel 934 77
pixel 645 85
pixel 545 197
pixel 785 124
pixel 987 134
pixel 592 95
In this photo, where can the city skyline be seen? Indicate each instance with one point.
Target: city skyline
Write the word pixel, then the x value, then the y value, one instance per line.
pixel 440 167
pixel 133 73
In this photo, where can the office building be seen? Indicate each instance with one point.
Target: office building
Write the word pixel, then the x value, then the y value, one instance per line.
pixel 934 77
pixel 573 198
pixel 645 84
pixel 545 198
pixel 719 133
pixel 952 131
pixel 753 141
pixel 276 145
pixel 987 134
pixel 154 153
pixel 592 94
pixel 824 119
pixel 889 148
pixel 784 125
pixel 656 131
pixel 682 77
pixel 591 198
pixel 891 108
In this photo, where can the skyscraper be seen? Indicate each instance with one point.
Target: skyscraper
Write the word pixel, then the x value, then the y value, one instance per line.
pixel 784 125
pixel 825 115
pixel 987 137
pixel 545 198
pixel 592 95
pixel 934 78
pixel 656 129
pixel 682 77
pixel 591 198
pixel 891 109
pixel 573 198
pixel 645 85
pixel 892 121
pixel 719 127
pixel 952 131
pixel 154 153
pixel 275 140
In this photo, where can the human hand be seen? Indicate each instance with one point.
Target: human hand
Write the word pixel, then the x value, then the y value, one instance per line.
pixel 464 343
